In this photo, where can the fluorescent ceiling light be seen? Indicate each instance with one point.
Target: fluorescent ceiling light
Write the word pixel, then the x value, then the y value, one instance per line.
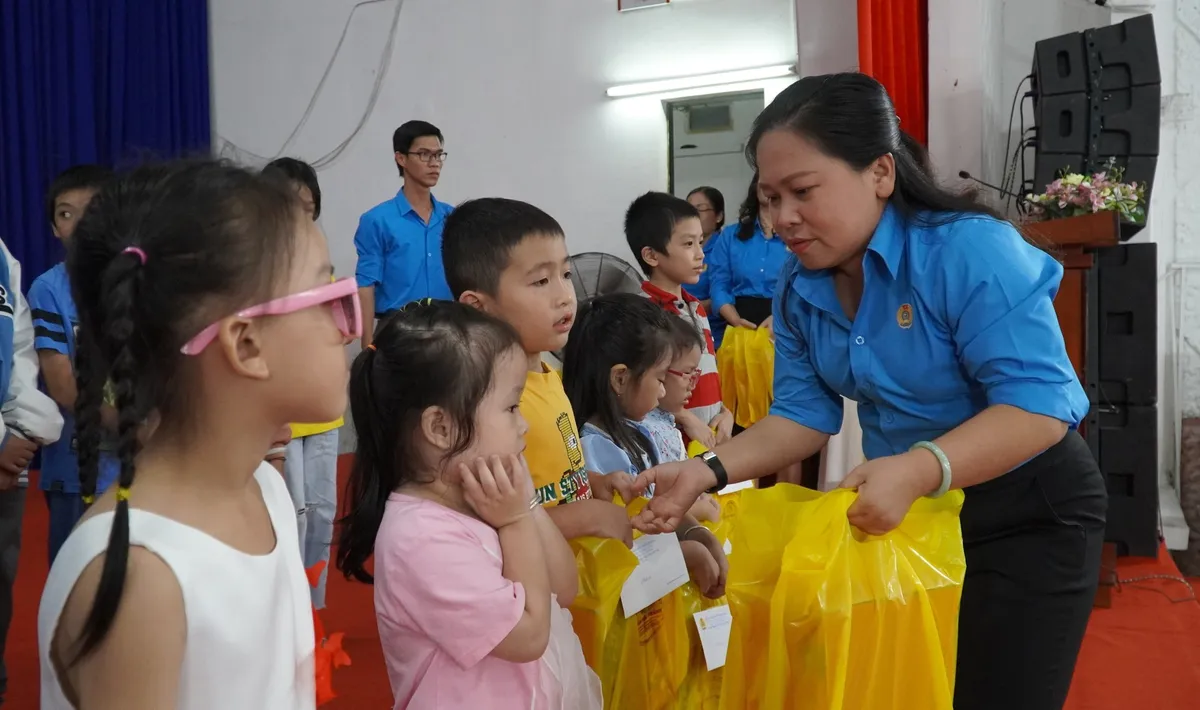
pixel 739 76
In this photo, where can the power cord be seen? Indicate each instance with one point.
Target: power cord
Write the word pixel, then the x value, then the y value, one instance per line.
pixel 230 149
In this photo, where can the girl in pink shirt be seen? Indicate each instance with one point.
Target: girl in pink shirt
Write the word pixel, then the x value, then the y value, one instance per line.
pixel 471 575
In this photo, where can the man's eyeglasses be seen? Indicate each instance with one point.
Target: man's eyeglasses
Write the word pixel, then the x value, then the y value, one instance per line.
pixel 427 157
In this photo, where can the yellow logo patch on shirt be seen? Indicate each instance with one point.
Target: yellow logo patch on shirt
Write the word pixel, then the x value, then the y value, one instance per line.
pixel 904 316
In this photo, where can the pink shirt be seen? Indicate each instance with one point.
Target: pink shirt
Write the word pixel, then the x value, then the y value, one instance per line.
pixel 443 605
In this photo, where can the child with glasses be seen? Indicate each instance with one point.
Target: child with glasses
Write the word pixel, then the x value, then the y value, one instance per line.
pixel 615 370
pixel 204 298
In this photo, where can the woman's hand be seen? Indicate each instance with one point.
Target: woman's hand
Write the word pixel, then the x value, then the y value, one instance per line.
pixel 677 485
pixel 887 487
pixel 492 493
pixel 731 316
pixel 769 324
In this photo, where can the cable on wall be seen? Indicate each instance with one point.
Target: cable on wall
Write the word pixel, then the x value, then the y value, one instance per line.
pixel 230 149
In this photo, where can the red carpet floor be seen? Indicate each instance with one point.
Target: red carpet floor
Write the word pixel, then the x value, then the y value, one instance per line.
pixel 1143 652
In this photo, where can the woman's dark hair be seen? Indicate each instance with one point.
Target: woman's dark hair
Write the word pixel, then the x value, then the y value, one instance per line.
pixel 428 354
pixel 716 199
pixel 159 254
pixel 850 117
pixel 748 212
pixel 299 172
pixel 615 329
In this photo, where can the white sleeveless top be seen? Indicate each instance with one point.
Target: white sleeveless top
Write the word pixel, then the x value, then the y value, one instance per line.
pixel 249 618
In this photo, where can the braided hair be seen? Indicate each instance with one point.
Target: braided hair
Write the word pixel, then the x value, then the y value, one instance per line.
pixel 159 253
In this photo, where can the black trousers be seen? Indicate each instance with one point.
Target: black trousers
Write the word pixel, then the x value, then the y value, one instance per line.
pixel 1032 538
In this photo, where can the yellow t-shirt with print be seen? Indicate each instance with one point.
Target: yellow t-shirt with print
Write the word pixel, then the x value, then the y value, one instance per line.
pixel 552 443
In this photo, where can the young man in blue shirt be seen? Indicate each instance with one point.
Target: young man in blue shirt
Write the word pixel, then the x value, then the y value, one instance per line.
pixel 399 242
pixel 55 322
pixel 28 419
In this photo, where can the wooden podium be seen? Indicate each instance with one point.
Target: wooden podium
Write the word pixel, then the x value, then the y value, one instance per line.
pixel 1074 240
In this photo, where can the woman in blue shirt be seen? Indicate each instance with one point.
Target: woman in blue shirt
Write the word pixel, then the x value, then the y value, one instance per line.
pixel 933 313
pixel 710 203
pixel 744 265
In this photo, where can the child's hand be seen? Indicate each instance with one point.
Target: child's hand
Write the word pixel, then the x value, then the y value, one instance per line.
pixel 604 485
pixel 488 488
pixel 716 552
pixel 723 424
pixel 703 569
pixel 607 520
pixel 16 455
pixel 706 509
pixel 697 430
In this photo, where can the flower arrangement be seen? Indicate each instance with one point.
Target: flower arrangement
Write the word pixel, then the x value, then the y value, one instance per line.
pixel 1073 194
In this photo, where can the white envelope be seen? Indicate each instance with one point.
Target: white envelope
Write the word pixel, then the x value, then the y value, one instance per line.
pixel 714 626
pixel 660 571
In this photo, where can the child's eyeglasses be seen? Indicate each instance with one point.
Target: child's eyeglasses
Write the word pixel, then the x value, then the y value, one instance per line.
pixel 690 375
pixel 341 295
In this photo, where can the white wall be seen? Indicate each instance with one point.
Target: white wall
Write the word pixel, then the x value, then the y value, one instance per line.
pixel 516 86
pixel 827 36
pixel 979 51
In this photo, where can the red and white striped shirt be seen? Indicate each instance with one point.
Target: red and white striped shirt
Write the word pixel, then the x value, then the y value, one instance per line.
pixel 705 401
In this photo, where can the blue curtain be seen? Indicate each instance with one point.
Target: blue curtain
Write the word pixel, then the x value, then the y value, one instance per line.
pixel 92 81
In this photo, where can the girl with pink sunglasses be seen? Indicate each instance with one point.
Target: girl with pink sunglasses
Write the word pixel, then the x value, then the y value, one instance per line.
pixel 205 300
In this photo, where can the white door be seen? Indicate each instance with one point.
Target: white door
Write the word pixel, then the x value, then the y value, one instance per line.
pixel 708 144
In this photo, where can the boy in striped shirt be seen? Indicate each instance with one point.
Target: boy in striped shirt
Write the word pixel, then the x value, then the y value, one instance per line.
pixel 665 235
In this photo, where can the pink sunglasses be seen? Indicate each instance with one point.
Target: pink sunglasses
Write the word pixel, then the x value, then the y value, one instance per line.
pixel 341 295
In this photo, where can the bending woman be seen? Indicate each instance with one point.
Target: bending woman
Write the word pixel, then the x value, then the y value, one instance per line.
pixel 935 315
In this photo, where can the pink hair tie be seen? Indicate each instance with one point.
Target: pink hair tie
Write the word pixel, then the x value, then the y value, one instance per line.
pixel 136 251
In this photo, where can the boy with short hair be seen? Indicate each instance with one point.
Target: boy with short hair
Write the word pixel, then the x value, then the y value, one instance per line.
pixel 55 323
pixel 665 235
pixel 509 259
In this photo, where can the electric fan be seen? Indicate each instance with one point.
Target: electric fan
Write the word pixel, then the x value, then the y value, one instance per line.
pixel 597 274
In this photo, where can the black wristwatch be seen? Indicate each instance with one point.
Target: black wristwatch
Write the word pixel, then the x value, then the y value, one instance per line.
pixel 714 464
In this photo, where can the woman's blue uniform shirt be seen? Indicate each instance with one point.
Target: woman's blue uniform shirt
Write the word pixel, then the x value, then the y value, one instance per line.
pixel 744 268
pixel 954 318
pixel 702 291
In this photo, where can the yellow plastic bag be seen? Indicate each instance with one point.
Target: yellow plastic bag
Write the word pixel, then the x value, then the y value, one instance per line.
pixel 746 362
pixel 827 618
pixel 642 661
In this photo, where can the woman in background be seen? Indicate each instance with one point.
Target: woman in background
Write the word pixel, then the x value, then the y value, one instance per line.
pixel 710 203
pixel 744 265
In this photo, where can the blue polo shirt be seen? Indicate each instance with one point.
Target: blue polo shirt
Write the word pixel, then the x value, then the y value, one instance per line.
pixel 54 326
pixel 702 290
pixel 400 255
pixel 744 268
pixel 954 318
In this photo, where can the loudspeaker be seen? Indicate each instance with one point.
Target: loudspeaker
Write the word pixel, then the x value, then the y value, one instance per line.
pixel 1127 325
pixel 1097 97
pixel 1128 439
